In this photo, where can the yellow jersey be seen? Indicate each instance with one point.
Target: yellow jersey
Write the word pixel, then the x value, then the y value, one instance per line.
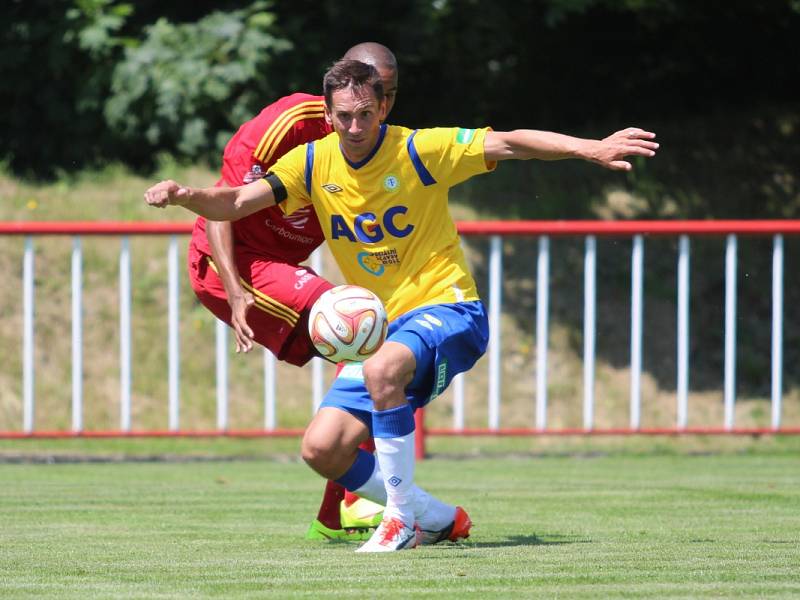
pixel 386 218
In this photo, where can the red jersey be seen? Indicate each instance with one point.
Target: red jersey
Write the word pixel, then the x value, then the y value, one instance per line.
pixel 281 126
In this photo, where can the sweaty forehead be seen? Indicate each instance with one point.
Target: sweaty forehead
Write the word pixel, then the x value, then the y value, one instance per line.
pixel 351 99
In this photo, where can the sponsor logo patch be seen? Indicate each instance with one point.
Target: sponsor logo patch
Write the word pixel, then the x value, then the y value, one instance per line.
pixel 331 188
pixel 298 218
pixel 465 136
pixel 303 278
pixel 371 228
pixel 441 379
pixel 394 481
pixel 374 262
pixel 370 264
pixel 289 235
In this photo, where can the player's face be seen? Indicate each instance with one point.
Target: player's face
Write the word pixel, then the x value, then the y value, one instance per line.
pixel 389 79
pixel 356 116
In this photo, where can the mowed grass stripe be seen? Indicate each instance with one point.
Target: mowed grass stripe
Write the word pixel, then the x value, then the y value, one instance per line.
pixel 557 526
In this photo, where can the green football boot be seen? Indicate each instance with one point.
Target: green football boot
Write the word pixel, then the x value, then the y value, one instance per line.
pixel 361 513
pixel 318 531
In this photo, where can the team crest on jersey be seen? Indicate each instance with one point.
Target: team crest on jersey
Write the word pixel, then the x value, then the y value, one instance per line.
pixel 391 183
pixel 255 173
pixel 331 188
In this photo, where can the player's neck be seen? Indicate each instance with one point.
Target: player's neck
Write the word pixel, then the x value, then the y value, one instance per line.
pixel 357 158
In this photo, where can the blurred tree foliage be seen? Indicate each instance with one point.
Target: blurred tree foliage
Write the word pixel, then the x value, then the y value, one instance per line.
pixel 185 86
pixel 86 81
pixel 56 63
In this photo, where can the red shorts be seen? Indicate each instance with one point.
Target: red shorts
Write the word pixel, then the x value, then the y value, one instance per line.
pixel 284 295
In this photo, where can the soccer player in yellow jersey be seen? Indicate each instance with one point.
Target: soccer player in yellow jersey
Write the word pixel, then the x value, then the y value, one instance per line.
pixel 381 196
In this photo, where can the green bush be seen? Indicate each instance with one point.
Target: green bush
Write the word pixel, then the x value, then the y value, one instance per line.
pixel 56 66
pixel 187 86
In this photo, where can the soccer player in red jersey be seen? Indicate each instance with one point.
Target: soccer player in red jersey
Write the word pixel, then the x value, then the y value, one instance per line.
pixel 248 272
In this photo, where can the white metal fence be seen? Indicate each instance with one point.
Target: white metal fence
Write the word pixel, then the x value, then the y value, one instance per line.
pixel 496 230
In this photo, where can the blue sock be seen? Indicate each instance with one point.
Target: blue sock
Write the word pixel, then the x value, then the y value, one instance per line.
pixel 395 422
pixel 359 472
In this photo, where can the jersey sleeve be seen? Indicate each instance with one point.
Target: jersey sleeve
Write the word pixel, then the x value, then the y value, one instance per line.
pixel 452 154
pixel 288 127
pixel 291 170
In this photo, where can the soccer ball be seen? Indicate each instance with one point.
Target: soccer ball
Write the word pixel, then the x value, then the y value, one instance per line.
pixel 347 323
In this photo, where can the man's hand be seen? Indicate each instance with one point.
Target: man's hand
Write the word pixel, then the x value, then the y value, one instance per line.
pixel 240 306
pixel 214 203
pixel 611 151
pixel 165 193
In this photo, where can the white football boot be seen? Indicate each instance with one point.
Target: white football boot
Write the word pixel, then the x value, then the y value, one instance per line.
pixel 392 535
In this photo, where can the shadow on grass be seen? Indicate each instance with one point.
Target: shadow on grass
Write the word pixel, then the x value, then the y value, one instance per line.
pixel 514 540
pixel 536 540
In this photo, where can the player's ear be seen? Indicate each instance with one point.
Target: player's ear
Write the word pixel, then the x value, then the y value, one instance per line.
pixel 382 110
pixel 328 117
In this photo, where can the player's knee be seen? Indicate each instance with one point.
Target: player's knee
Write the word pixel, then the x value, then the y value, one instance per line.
pixel 316 452
pixel 384 379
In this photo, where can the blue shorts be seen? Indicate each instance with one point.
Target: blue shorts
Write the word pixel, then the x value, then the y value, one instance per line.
pixel 446 339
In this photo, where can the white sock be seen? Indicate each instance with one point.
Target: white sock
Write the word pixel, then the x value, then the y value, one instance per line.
pixel 374 489
pixel 395 455
pixel 431 513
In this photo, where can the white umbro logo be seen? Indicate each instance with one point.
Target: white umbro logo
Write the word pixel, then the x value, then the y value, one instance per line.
pixel 332 188
pixel 429 321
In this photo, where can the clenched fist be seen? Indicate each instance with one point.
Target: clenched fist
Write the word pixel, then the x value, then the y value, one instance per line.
pixel 165 193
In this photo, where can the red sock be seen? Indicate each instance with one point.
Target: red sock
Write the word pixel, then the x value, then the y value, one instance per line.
pixel 350 497
pixel 328 513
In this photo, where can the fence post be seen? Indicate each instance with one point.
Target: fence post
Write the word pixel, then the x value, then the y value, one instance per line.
pixel 269 391
pixel 542 312
pixel 683 333
pixel 730 330
pixel 777 330
pixel 222 374
pixel 28 362
pixel 495 337
pixel 637 285
pixel 77 336
pixel 589 299
pixel 125 335
pixel 172 335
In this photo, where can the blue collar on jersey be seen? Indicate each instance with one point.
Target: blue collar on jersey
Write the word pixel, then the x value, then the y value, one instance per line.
pixel 361 163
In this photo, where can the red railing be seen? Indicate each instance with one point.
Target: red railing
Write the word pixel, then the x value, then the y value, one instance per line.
pixel 468 228
pixel 552 228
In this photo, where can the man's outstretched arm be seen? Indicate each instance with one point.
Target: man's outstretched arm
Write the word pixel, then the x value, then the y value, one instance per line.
pixel 610 152
pixel 215 203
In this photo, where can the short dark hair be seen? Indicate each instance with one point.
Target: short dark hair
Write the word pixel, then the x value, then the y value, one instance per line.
pixel 351 73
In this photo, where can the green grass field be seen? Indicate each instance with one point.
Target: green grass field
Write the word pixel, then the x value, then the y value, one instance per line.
pixel 589 525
